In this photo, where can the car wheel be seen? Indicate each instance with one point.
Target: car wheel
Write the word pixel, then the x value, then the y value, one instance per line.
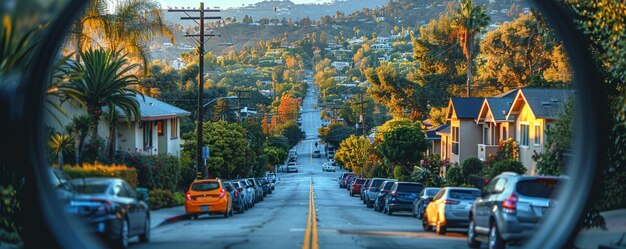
pixel 495 241
pixel 441 229
pixel 414 212
pixel 369 204
pixel 471 235
pixel 145 237
pixel 226 214
pixel 425 225
pixel 123 239
pixel 351 193
pixel 420 214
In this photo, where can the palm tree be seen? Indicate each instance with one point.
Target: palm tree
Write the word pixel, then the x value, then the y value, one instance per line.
pixel 60 143
pixel 79 128
pixel 468 21
pixel 126 25
pixel 106 82
pixel 112 117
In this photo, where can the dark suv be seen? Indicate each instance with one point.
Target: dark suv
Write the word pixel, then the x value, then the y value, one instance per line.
pixel 509 208
pixel 384 188
pixel 401 196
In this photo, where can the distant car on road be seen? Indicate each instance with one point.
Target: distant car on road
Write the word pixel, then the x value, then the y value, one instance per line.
pixel 113 208
pixel 292 167
pixel 356 186
pixel 510 208
pixel 401 196
pixel 328 167
pixel 425 197
pixel 316 154
pixel 450 208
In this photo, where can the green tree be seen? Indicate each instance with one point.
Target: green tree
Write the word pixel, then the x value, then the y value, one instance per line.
pixel 335 133
pixel 504 166
pixel 61 143
pixel 404 146
pixel 275 155
pixel 79 128
pixel 469 20
pixel 291 130
pixel 507 149
pixel 353 153
pixel 106 81
pixel 454 176
pixel 472 166
pixel 395 92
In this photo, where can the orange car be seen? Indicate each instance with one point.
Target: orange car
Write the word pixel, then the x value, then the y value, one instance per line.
pixel 208 197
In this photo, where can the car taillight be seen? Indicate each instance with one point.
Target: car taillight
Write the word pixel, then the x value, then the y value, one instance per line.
pixel 394 194
pixel 451 202
pixel 236 193
pixel 222 193
pixel 509 205
pixel 188 196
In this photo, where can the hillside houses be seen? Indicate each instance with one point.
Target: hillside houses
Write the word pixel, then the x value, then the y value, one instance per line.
pixel 476 126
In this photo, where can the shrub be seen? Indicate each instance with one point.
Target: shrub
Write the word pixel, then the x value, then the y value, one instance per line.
pixel 507 149
pixel 180 198
pixel 454 176
pixel 9 211
pixel 155 172
pixel 161 198
pixel 97 169
pixel 471 166
pixel 399 173
pixel 505 166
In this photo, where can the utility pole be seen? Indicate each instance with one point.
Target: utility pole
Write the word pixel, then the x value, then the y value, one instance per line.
pixel 362 103
pixel 200 39
pixel 238 94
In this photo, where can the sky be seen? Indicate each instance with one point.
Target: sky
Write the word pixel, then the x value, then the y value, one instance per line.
pixel 223 4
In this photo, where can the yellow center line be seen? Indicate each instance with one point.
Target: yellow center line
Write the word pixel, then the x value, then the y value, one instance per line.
pixel 310 234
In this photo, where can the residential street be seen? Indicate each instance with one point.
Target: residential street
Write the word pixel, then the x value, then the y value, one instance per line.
pixel 280 221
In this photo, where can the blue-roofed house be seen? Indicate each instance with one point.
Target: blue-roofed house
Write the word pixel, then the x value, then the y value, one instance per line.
pixel 434 137
pixel 494 124
pixel 464 134
pixel 156 133
pixel 534 110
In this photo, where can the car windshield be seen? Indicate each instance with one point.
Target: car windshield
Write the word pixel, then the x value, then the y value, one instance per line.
pixel 465 194
pixel 539 188
pixel 410 188
pixel 228 187
pixel 376 183
pixel 205 186
pixel 388 185
pixel 360 181
pixel 91 188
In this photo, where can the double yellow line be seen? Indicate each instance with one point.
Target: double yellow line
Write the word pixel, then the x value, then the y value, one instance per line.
pixel 310 234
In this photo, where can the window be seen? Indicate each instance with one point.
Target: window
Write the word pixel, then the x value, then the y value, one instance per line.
pixel 523 134
pixel 455 140
pixel 174 125
pixel 129 191
pixel 537 134
pixel 160 128
pixel 147 135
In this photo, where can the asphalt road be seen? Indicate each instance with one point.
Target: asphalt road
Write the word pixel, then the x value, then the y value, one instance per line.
pixel 283 219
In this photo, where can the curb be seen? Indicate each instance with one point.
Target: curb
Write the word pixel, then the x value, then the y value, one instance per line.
pixel 170 220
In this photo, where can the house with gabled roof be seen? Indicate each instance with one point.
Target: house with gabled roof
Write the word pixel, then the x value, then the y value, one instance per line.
pixel 494 124
pixel 533 111
pixel 432 135
pixel 157 132
pixel 464 135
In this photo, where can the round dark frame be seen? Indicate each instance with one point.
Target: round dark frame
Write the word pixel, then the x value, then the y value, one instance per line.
pixel 45 228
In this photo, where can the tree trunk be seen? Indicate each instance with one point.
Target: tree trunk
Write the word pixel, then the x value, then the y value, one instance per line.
pixel 95 113
pixel 60 160
pixel 78 36
pixel 470 44
pixel 112 138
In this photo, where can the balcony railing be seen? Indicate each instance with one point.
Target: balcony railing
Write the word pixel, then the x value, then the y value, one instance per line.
pixel 485 150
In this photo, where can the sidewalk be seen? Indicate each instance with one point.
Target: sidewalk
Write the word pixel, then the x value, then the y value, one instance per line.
pixel 166 215
pixel 596 237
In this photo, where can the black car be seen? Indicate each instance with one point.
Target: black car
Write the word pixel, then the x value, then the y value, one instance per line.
pixel 267 188
pixel 258 188
pixel 401 196
pixel 113 208
pixel 420 204
pixel 379 203
pixel 238 203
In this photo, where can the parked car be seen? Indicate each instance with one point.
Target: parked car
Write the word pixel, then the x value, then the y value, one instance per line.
pixel 292 167
pixel 208 196
pixel 272 177
pixel 316 153
pixel 267 189
pixel 510 208
pixel 247 202
pixel 250 192
pixel 425 197
pixel 379 202
pixel 349 182
pixel 450 208
pixel 238 201
pixel 363 190
pixel 401 197
pixel 258 189
pixel 330 154
pixel 328 167
pixel 62 185
pixel 355 188
pixel 113 208
pixel 292 159
pixel 372 191
pixel 342 179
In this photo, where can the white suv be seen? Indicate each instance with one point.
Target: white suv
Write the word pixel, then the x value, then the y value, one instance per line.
pixel 292 167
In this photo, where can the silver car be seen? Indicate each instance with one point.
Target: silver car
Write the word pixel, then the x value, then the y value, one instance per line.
pixel 510 208
pixel 450 208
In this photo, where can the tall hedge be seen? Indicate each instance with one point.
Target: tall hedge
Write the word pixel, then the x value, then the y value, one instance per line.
pixel 97 169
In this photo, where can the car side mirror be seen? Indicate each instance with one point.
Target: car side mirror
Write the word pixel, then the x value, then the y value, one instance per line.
pixel 143 196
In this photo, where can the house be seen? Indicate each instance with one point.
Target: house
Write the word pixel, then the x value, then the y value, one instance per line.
pixel 494 124
pixel 533 111
pixel 178 64
pixel 464 136
pixel 340 64
pixel 157 131
pixel 435 139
